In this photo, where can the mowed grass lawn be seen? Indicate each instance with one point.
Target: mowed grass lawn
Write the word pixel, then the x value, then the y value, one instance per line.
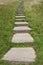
pixel 34 16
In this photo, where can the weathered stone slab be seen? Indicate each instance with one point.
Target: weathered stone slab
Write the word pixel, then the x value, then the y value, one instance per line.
pixel 26 54
pixel 21 23
pixel 22 38
pixel 22 29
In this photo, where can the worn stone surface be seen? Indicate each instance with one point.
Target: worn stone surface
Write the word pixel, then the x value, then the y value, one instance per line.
pixel 21 23
pixel 22 38
pixel 26 54
pixel 19 16
pixel 21 29
pixel 20 19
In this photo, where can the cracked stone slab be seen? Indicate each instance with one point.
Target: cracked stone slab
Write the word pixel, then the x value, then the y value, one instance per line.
pixel 26 54
pixel 22 38
pixel 21 29
pixel 21 23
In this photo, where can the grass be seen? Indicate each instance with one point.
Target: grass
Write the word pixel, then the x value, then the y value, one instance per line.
pixel 34 16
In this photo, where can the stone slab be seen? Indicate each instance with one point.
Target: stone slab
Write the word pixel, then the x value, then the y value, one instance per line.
pixel 21 29
pixel 21 23
pixel 26 54
pixel 19 16
pixel 20 19
pixel 22 38
pixel 20 12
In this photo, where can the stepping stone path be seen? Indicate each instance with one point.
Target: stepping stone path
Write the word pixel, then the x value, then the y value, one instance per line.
pixel 21 29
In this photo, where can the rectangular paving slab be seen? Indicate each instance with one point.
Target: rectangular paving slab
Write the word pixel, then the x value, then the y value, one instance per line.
pixel 26 54
pixel 22 38
pixel 19 14
pixel 21 23
pixel 22 17
pixel 20 20
pixel 21 29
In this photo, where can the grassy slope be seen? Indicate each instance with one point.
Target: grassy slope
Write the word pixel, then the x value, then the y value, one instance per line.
pixel 34 16
pixel 7 19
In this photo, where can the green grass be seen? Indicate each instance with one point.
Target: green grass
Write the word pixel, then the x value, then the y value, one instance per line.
pixel 34 16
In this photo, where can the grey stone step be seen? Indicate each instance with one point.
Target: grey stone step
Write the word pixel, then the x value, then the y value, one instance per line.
pixel 22 38
pixel 21 29
pixel 21 23
pixel 19 20
pixel 19 13
pixel 20 16
pixel 26 54
pixel 20 9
